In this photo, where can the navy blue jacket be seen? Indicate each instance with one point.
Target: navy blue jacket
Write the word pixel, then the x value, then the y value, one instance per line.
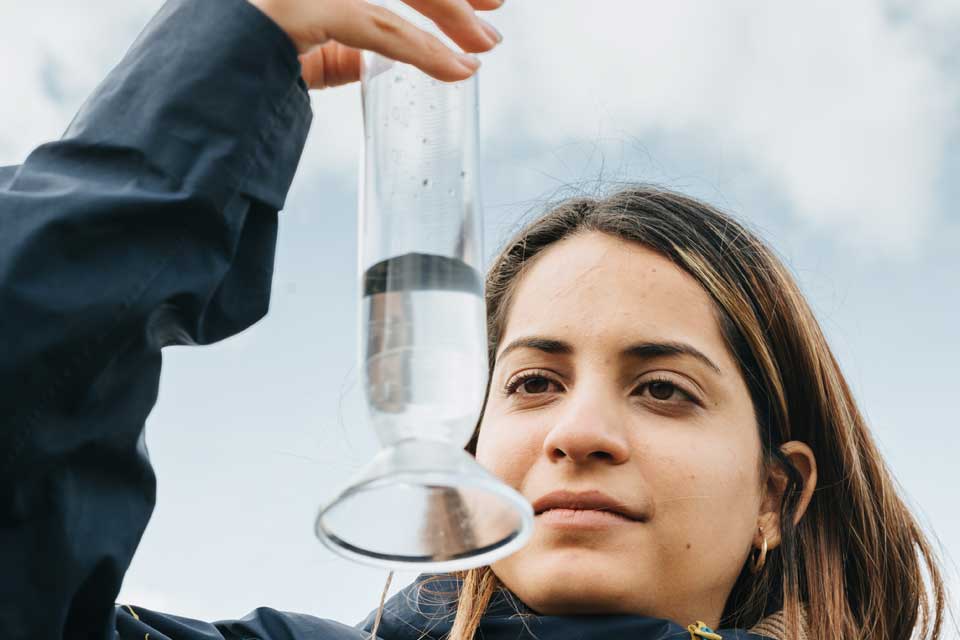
pixel 153 222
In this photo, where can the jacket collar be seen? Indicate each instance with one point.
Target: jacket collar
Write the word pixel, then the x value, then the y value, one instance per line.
pixel 425 610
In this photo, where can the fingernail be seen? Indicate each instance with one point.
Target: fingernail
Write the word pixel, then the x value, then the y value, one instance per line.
pixel 471 62
pixel 491 31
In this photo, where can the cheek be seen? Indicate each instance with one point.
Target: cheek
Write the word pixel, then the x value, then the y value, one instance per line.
pixel 507 452
pixel 707 497
pixel 721 488
pixel 715 466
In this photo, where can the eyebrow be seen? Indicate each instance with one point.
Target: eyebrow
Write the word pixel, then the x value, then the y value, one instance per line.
pixel 645 350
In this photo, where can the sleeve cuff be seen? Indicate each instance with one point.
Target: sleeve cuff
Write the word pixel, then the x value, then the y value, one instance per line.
pixel 212 96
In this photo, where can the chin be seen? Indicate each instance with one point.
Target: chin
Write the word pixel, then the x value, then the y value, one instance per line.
pixel 571 582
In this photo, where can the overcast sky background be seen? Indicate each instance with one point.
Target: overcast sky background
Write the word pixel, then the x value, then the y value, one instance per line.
pixel 832 128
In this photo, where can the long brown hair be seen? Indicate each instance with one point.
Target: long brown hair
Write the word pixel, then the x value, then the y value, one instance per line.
pixel 854 566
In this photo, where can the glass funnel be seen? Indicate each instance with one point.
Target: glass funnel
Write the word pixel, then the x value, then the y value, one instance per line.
pixel 423 502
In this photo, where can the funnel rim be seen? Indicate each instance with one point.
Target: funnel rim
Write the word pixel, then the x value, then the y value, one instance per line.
pixel 430 479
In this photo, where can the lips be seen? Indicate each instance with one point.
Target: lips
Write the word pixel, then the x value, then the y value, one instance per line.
pixel 585 501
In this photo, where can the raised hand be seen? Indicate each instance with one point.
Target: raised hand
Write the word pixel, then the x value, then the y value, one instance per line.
pixel 329 34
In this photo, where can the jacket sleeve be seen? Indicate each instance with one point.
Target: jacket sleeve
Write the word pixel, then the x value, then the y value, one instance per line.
pixel 151 222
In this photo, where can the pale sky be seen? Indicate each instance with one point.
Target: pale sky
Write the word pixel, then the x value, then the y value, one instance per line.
pixel 829 127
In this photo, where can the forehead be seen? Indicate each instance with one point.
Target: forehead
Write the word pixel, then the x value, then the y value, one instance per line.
pixel 600 292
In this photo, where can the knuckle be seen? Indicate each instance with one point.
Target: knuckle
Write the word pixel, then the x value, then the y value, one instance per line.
pixel 434 47
pixel 385 22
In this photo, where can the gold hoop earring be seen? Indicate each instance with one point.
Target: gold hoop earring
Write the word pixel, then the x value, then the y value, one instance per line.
pixel 757 564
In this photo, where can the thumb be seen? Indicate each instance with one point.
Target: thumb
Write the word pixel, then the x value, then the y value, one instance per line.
pixel 330 65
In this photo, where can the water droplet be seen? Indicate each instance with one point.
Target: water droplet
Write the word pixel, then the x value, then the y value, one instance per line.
pixel 398 78
pixel 463 174
pixel 426 182
pixel 451 192
pixel 412 103
pixel 424 141
pixel 432 107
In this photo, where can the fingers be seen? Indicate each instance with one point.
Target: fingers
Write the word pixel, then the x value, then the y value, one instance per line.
pixel 486 5
pixel 330 65
pixel 368 26
pixel 457 19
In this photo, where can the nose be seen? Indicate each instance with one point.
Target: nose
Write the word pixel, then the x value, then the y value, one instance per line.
pixel 590 428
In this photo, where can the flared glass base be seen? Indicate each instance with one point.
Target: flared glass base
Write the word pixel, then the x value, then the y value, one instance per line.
pixel 426 506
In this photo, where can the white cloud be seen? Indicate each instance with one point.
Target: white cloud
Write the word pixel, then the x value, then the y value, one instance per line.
pixel 842 109
pixel 52 54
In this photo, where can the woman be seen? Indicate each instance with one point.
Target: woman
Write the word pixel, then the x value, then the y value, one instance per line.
pixel 658 387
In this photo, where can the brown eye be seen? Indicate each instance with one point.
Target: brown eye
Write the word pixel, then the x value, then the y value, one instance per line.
pixel 668 393
pixel 530 384
pixel 535 384
pixel 662 390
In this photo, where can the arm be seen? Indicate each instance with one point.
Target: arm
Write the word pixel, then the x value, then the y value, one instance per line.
pixel 151 222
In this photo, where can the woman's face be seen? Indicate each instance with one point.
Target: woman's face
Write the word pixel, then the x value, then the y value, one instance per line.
pixel 613 376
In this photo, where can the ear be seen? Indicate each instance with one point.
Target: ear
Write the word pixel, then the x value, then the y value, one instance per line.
pixel 768 520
